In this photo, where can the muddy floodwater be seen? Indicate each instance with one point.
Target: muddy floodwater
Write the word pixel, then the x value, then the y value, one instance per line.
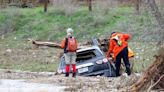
pixel 7 85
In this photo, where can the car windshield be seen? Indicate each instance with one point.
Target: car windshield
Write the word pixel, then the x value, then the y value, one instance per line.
pixel 87 55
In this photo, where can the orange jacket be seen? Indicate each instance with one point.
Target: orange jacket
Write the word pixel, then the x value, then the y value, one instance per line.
pixel 63 43
pixel 114 47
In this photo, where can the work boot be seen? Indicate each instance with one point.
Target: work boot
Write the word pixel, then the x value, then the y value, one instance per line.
pixel 128 71
pixel 73 74
pixel 66 74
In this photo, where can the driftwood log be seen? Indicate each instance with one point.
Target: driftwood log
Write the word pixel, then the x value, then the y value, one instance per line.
pixel 48 44
pixel 45 43
pixel 153 77
pixel 103 44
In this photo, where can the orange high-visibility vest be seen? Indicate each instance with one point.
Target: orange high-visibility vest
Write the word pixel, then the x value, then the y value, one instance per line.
pixel 130 52
pixel 114 47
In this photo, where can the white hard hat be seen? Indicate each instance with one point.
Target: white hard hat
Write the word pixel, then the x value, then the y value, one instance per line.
pixel 69 30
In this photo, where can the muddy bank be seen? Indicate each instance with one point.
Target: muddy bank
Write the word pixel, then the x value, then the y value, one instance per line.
pixel 16 74
pixel 78 84
pixel 8 85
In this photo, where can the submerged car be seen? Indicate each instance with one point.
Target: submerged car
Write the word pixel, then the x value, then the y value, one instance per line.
pixel 89 62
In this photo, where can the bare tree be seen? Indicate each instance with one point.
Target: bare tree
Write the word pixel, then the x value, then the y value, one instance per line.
pixel 9 1
pixel 137 3
pixel 156 13
pixel 159 18
pixel 45 5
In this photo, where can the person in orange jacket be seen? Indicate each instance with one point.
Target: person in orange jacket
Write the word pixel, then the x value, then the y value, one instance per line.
pixel 69 44
pixel 119 48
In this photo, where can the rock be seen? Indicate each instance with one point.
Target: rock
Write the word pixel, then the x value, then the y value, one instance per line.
pixel 2 37
pixel 15 38
pixel 9 50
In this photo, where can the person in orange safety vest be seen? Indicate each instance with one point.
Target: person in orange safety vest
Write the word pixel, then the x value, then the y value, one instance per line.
pixel 69 44
pixel 119 48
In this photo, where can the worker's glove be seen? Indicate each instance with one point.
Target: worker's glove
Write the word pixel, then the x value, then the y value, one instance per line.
pixel 105 60
pixel 108 59
pixel 111 58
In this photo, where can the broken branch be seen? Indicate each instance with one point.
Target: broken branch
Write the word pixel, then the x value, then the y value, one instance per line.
pixel 155 83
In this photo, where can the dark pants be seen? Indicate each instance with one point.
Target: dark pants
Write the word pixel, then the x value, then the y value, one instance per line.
pixel 123 54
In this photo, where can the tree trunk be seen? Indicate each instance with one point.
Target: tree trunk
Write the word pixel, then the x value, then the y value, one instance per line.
pixel 158 17
pixel 156 13
pixel 45 43
pixel 137 3
pixel 9 1
pixel 90 5
pixel 45 5
pixel 2 2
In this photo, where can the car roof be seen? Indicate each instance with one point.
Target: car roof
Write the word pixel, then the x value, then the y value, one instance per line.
pixel 89 48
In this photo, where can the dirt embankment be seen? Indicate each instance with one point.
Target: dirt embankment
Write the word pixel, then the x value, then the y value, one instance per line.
pixel 78 84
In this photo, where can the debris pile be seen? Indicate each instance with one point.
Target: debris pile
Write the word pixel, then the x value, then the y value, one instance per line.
pixel 153 77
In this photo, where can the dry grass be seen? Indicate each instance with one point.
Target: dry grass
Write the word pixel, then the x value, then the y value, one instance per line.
pixel 32 59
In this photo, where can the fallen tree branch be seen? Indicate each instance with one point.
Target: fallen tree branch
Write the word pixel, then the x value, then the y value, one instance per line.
pixel 45 43
pixel 155 83
pixel 49 44
pixel 103 44
pixel 157 67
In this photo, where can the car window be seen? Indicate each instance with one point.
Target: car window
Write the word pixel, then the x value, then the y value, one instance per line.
pixel 87 55
pixel 84 56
